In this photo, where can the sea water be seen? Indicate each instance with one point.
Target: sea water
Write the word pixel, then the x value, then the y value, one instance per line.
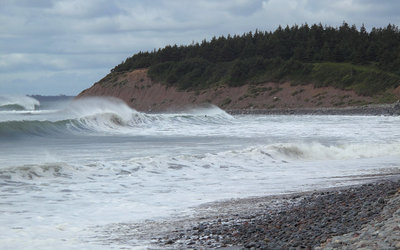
pixel 68 170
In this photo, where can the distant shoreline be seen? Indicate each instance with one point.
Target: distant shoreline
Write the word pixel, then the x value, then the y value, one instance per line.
pixel 370 110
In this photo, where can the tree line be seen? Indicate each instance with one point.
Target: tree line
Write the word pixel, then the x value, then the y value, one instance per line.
pixel 298 53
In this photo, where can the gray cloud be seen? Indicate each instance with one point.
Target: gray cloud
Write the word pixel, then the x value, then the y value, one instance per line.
pixel 63 46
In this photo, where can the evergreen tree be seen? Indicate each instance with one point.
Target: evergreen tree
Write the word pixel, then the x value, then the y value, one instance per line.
pixel 290 51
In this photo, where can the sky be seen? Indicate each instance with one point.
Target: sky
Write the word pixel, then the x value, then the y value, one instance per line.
pixel 53 47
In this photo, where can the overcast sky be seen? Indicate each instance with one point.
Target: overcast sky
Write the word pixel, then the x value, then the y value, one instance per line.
pixel 53 47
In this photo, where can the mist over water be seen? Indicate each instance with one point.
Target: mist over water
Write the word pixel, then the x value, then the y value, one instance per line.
pixel 68 168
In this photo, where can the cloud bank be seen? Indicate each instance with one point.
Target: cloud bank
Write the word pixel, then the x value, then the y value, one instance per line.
pixel 64 46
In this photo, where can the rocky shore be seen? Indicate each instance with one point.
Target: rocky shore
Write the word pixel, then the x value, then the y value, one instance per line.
pixel 383 232
pixel 384 109
pixel 364 216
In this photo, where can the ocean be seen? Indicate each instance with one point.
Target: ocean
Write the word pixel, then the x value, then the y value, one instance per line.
pixel 72 169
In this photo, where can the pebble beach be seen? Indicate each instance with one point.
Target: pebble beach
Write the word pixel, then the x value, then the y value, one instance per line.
pixel 364 216
pixel 367 110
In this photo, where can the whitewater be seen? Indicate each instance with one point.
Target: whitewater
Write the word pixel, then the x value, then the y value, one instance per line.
pixel 71 170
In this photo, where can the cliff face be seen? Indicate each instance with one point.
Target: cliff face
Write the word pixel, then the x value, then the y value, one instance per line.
pixel 142 94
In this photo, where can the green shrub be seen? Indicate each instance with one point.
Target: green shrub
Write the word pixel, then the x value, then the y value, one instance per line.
pixel 226 101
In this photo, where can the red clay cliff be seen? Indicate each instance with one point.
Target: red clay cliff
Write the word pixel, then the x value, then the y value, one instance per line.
pixel 143 94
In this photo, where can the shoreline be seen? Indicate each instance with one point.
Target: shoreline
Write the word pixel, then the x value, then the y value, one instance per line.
pixel 349 217
pixel 369 110
pixel 322 219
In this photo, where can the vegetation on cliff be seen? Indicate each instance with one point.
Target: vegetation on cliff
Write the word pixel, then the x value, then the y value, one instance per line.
pixel 343 57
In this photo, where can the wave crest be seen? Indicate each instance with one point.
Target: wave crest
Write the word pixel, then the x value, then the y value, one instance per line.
pixel 33 172
pixel 18 103
pixel 317 151
pixel 109 115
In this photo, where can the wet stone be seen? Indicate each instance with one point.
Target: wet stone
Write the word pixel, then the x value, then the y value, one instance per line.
pixel 306 222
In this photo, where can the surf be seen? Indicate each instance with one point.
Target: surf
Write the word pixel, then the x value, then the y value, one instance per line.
pixel 103 116
pixel 18 103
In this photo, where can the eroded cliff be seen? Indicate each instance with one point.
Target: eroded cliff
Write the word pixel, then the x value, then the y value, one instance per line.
pixel 143 94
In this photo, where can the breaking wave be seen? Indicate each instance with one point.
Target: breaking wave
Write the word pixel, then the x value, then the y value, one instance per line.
pixel 106 115
pixel 256 158
pixel 33 172
pixel 263 158
pixel 318 151
pixel 18 103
